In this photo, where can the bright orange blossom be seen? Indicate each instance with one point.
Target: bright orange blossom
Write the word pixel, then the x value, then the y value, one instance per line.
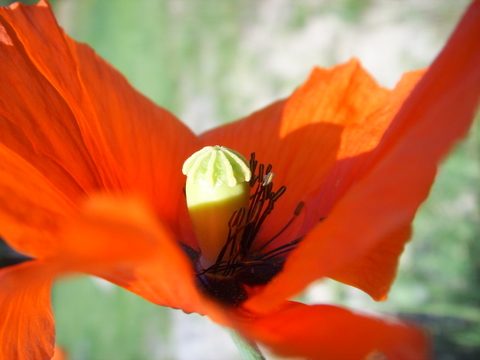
pixel 90 181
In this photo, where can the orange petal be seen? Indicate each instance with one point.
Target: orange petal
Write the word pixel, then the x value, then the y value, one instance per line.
pixel 375 271
pixel 32 209
pixel 79 122
pixel 359 141
pixel 443 106
pixel 371 215
pixel 27 326
pixel 35 120
pixel 328 332
pixel 136 145
pixel 316 136
pixel 361 127
pixel 121 240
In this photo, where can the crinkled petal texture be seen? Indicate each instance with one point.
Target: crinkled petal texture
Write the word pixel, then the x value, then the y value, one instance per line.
pixel 317 139
pixel 327 332
pixel 365 230
pixel 320 142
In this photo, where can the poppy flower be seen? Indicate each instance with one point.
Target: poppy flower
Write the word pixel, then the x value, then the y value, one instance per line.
pixel 91 182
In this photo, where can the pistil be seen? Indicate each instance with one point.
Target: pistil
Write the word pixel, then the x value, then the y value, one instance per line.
pixel 217 186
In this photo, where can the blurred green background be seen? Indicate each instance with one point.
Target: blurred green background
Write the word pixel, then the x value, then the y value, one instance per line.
pixel 213 61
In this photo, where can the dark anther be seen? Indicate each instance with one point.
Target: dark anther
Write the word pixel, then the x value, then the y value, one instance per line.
pixel 279 193
pixel 261 168
pixel 298 208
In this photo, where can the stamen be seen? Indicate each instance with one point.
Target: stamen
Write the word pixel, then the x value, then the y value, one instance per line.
pixel 238 257
pixel 280 192
pixel 267 189
pixel 235 221
pixel 255 207
pixel 268 178
pixel 261 169
pixel 237 218
pixel 266 256
pixel 269 168
pixel 262 218
pixel 295 214
pixel 298 208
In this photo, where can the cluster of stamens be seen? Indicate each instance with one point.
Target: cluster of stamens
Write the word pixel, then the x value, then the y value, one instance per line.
pixel 229 200
pixel 240 251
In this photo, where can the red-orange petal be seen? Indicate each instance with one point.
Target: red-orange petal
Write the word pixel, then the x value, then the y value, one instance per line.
pixel 356 127
pixel 384 200
pixel 306 136
pixel 117 238
pixel 79 123
pixel 35 120
pixel 27 326
pixel 327 332
pixel 32 209
pixel 137 146
pixel 375 271
pixel 121 240
pixel 442 106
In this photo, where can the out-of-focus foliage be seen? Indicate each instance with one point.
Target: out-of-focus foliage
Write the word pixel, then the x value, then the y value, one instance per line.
pixel 106 322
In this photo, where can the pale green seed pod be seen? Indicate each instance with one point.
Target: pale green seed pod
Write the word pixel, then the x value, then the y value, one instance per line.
pixel 217 186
